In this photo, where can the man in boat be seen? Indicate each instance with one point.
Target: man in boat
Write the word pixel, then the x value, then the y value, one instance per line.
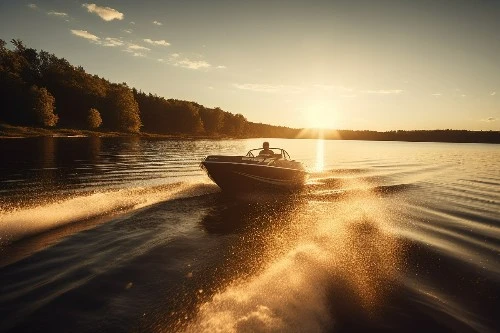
pixel 266 152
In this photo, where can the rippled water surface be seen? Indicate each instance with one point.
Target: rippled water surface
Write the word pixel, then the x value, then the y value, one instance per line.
pixel 129 235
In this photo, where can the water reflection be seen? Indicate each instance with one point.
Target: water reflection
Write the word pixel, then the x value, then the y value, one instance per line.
pixel 47 161
pixel 320 156
pixel 95 146
pixel 388 238
pixel 237 213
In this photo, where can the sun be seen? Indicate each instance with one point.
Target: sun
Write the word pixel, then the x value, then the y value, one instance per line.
pixel 319 115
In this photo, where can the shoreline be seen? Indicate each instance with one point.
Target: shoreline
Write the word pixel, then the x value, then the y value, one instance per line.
pixel 22 132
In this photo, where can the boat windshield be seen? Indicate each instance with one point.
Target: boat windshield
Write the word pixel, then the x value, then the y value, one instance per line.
pixel 277 153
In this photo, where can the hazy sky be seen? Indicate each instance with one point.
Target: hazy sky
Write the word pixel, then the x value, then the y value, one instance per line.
pixel 377 65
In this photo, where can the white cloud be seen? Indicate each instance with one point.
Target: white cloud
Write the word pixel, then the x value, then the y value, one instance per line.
pixel 58 14
pixel 490 119
pixel 192 64
pixel 327 87
pixel 493 93
pixel 85 34
pixel 161 42
pixel 269 88
pixel 108 41
pixel 176 59
pixel 132 22
pixel 384 91
pixel 161 60
pixel 349 92
pixel 106 13
pixel 112 42
pixel 128 31
pixel 32 6
pixel 135 47
pixel 221 67
pixel 134 52
pixel 157 23
pixel 258 87
pixel 330 87
pixel 436 94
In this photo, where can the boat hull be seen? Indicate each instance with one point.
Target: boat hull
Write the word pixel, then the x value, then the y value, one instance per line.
pixel 234 176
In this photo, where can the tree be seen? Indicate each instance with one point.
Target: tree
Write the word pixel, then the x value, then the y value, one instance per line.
pixel 123 109
pixel 213 119
pixel 42 107
pixel 94 119
pixel 13 91
pixel 74 92
pixel 234 124
pixel 188 118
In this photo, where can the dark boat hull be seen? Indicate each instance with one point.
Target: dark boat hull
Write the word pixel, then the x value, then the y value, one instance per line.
pixel 235 176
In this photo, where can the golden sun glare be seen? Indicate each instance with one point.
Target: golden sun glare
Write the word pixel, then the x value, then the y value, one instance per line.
pixel 320 156
pixel 319 115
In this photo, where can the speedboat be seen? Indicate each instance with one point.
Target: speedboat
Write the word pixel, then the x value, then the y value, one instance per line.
pixel 254 172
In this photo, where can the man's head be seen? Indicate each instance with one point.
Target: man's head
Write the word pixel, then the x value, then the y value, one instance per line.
pixel 265 145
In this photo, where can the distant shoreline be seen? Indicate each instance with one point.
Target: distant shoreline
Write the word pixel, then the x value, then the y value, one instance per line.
pixel 492 137
pixel 12 132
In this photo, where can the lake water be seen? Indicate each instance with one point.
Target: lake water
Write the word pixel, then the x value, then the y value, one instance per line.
pixel 129 235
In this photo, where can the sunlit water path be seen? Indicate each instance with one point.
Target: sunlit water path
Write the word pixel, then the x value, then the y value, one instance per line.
pixel 103 234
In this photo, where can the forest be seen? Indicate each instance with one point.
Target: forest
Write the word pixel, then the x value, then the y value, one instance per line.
pixel 39 89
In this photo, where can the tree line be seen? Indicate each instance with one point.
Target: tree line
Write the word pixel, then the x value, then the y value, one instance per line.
pixel 447 135
pixel 39 89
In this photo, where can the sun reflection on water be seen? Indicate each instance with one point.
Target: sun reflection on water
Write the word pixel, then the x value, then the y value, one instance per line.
pixel 320 155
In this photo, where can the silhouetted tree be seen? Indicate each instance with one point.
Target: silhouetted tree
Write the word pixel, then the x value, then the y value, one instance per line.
pixel 213 119
pixel 94 119
pixel 123 110
pixel 185 117
pixel 234 124
pixel 43 107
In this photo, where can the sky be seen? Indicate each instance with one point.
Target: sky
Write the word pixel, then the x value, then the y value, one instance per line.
pixel 340 64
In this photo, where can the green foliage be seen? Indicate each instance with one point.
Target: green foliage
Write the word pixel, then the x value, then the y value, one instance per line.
pixel 74 92
pixel 94 119
pixel 213 119
pixel 42 107
pixel 123 109
pixel 185 116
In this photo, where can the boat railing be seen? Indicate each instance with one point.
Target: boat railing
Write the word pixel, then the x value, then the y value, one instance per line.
pixel 282 154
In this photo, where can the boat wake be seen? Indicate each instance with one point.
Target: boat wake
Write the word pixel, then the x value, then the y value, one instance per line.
pixel 21 222
pixel 331 257
pixel 336 184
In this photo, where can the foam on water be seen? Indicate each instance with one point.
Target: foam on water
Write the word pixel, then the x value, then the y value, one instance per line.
pixel 17 223
pixel 342 254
